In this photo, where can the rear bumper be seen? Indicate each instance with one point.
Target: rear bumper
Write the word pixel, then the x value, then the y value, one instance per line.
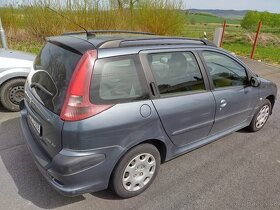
pixel 73 172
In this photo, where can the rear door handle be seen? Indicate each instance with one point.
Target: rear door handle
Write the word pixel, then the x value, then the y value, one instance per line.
pixel 223 103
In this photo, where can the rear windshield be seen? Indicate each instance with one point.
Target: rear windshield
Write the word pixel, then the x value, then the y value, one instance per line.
pixel 118 79
pixel 54 67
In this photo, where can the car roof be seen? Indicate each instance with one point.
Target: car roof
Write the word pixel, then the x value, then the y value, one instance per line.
pixel 123 41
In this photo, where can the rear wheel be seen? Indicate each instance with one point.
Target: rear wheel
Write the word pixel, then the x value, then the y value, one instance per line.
pixel 12 92
pixel 136 171
pixel 261 116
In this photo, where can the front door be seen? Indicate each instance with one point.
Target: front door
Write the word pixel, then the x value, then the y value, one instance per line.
pixel 235 98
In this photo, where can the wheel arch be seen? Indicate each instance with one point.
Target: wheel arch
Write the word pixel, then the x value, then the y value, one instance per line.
pixel 12 78
pixel 159 144
pixel 5 92
pixel 271 98
pixel 13 74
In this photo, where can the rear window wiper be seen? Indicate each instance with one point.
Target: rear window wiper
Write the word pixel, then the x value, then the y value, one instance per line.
pixel 41 87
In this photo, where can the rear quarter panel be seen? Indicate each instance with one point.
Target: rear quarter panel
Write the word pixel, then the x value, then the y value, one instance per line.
pixel 120 126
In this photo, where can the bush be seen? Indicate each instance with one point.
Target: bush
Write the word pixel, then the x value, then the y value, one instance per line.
pixel 252 18
pixel 11 17
pixel 161 17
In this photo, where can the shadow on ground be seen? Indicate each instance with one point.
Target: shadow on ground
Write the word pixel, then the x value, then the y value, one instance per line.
pixel 2 109
pixel 18 161
pixel 106 195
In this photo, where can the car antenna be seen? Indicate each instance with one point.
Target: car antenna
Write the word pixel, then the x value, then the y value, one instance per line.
pixel 73 22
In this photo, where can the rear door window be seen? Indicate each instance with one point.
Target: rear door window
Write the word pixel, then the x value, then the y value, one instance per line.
pixel 176 73
pixel 116 80
pixel 54 67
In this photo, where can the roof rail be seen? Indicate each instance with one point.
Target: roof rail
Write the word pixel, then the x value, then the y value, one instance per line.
pixel 93 32
pixel 160 40
pixel 164 41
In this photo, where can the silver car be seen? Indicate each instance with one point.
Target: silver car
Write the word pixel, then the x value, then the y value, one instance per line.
pixel 14 68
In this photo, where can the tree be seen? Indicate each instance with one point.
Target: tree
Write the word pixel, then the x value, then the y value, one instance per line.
pixel 121 4
pixel 251 20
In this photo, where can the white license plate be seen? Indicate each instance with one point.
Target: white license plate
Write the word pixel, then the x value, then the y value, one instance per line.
pixel 35 124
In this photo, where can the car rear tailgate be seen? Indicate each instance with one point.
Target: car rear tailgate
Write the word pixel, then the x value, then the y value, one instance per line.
pixel 45 91
pixel 46 127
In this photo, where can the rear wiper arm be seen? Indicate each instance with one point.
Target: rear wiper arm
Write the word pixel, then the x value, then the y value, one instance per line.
pixel 41 87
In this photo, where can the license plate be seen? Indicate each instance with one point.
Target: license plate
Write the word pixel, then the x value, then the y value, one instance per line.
pixel 35 124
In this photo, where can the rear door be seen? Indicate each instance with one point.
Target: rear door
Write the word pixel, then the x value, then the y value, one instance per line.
pixel 234 96
pixel 45 92
pixel 181 94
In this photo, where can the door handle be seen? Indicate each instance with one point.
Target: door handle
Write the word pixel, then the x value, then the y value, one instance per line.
pixel 223 103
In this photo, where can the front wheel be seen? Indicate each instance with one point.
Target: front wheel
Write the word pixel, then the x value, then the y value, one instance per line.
pixel 136 171
pixel 261 116
pixel 12 92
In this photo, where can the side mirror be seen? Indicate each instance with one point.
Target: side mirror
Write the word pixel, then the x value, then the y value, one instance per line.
pixel 255 82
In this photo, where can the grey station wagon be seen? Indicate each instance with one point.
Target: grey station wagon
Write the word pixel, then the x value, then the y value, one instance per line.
pixel 107 109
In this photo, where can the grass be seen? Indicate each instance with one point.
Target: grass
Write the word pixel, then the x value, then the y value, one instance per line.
pixel 236 40
pixel 205 18
pixel 270 53
pixel 31 46
pixel 199 29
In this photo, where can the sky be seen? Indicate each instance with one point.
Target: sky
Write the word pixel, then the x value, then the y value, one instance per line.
pixel 260 5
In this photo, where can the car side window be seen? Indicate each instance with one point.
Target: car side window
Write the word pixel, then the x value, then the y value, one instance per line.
pixel 117 80
pixel 224 71
pixel 176 72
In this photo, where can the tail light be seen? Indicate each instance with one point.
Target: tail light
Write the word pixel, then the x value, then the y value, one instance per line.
pixel 77 104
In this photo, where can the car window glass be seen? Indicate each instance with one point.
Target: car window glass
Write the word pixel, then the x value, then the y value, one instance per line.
pixel 176 72
pixel 117 80
pixel 224 71
pixel 54 67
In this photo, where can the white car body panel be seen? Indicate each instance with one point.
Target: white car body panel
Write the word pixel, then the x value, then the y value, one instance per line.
pixel 14 64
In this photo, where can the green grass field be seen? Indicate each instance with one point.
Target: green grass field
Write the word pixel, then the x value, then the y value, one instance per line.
pixel 204 19
pixel 270 54
pixel 199 29
pixel 32 46
pixel 236 40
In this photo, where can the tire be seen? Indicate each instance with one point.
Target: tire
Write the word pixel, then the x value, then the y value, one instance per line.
pixel 136 171
pixel 261 116
pixel 11 93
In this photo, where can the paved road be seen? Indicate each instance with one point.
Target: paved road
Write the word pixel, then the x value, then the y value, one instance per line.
pixel 240 171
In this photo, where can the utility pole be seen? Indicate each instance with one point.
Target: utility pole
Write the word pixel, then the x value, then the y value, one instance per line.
pixel 256 40
pixel 3 36
pixel 223 34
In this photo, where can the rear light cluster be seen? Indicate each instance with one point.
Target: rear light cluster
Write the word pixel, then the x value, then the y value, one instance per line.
pixel 77 104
